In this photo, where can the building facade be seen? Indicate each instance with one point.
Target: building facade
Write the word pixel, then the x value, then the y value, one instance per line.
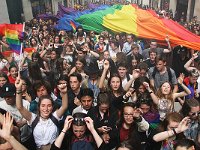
pixel 16 11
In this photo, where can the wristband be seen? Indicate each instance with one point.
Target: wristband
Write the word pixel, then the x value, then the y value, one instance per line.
pixel 150 92
pixel 18 92
pixel 63 131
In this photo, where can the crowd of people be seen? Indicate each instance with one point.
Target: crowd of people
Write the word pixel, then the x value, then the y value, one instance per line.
pixel 85 90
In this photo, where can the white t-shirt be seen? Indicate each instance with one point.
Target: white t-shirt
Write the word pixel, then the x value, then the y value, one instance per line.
pixel 125 80
pixel 13 109
pixel 45 132
pixel 79 109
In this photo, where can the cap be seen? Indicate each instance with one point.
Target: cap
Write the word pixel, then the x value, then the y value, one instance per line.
pixel 8 90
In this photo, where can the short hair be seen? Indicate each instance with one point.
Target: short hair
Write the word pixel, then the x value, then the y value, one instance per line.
pixel 153 40
pixel 186 108
pixel 187 143
pixel 152 50
pixel 122 64
pixel 103 98
pixel 160 58
pixel 115 43
pixel 86 92
pixel 133 46
pixel 125 144
pixel 142 65
pixel 77 75
pixel 39 84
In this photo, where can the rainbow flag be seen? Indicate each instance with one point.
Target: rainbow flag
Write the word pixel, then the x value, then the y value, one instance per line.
pixel 73 26
pixel 13 34
pixel 142 23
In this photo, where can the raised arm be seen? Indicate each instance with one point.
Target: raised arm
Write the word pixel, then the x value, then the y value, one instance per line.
pixel 185 88
pixel 90 126
pixel 135 75
pixel 153 96
pixel 59 139
pixel 183 125
pixel 188 64
pixel 103 76
pixel 63 92
pixel 5 133
pixel 24 112
pixel 169 45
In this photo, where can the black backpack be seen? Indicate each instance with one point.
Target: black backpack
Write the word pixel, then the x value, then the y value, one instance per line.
pixel 168 71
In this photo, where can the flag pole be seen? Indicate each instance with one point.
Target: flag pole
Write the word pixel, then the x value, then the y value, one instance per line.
pixel 20 53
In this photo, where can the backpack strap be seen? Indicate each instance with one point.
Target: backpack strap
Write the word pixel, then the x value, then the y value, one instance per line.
pixel 169 74
pixel 53 119
pixel 35 122
pixel 168 71
pixel 154 72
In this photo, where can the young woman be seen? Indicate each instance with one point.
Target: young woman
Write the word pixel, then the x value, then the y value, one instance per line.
pixel 171 130
pixel 44 125
pixel 132 125
pixel 165 98
pixel 105 118
pixel 115 88
pixel 150 113
pixel 3 79
pixel 13 71
pixel 78 133
pixel 79 67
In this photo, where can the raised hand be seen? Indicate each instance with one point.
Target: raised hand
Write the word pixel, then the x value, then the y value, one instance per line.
pixel 106 64
pixel 62 88
pixel 137 113
pixel 18 83
pixel 103 129
pixel 5 132
pixel 146 85
pixel 183 125
pixel 181 78
pixel 136 73
pixel 68 122
pixel 167 38
pixel 194 56
pixel 89 123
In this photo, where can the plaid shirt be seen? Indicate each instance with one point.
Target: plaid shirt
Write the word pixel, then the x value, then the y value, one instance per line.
pixel 193 131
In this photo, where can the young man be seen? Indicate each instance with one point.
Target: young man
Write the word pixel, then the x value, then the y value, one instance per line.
pixel 191 108
pixel 86 98
pixel 159 51
pixel 191 83
pixel 161 73
pixel 151 62
pixel 41 88
pixel 122 71
pixel 127 45
pixel 75 88
pixel 9 105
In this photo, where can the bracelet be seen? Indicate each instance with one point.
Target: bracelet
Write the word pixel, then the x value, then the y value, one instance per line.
pixel 63 131
pixel 150 92
pixel 18 92
pixel 174 132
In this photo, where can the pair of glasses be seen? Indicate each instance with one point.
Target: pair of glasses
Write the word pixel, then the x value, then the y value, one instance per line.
pixel 195 113
pixel 127 115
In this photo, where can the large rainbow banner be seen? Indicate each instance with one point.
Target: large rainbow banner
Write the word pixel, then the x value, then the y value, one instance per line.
pixel 13 34
pixel 131 19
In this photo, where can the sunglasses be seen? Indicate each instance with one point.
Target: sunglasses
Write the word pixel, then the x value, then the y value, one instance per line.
pixel 195 114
